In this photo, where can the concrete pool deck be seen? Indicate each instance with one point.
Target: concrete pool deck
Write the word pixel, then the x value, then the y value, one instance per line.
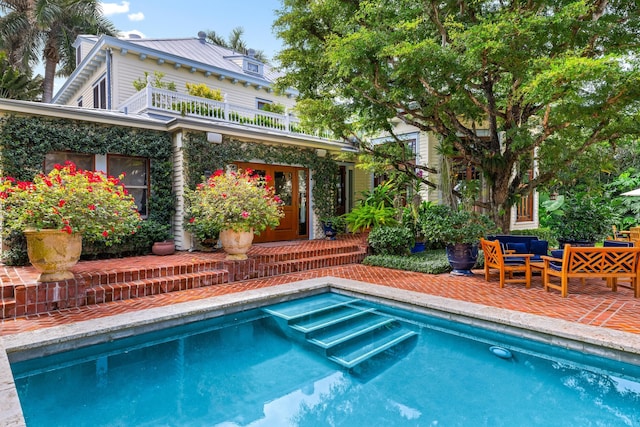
pixel 128 317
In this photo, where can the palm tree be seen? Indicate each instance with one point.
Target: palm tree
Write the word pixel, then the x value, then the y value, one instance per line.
pixel 15 84
pixel 31 30
pixel 236 43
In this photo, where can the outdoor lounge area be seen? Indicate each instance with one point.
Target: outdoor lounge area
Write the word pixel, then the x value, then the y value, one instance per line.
pixel 589 303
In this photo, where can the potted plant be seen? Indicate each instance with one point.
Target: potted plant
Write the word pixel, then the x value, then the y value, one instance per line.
pixel 332 226
pixel 458 229
pixel 236 205
pixel 578 219
pixel 58 210
pixel 367 216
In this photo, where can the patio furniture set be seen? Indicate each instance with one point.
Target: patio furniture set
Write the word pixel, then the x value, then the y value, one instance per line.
pixel 615 261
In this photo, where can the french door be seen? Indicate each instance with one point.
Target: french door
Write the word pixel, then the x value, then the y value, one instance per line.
pixel 292 186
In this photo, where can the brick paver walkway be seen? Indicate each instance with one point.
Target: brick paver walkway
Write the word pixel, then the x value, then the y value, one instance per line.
pixel 592 304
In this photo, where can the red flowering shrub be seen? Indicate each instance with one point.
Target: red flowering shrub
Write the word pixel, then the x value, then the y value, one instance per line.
pixel 71 200
pixel 237 200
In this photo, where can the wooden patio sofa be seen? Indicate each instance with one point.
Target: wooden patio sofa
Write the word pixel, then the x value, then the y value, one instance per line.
pixel 610 263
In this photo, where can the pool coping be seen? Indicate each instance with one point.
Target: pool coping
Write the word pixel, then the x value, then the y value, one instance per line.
pixel 609 343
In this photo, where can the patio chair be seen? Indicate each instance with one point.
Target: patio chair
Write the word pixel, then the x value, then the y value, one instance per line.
pixel 506 264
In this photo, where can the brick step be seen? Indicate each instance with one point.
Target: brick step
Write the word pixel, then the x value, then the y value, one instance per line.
pixel 311 263
pixel 153 286
pixel 267 258
pixel 7 308
pixel 135 273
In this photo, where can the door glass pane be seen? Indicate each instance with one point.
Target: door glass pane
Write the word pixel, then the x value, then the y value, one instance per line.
pixel 302 206
pixel 283 184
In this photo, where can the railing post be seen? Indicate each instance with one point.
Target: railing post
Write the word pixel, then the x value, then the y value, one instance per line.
pixel 148 90
pixel 226 108
pixel 286 119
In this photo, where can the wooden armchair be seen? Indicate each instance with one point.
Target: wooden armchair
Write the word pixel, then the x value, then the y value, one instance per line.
pixel 506 264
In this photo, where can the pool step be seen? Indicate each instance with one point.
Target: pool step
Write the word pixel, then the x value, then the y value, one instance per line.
pixel 342 328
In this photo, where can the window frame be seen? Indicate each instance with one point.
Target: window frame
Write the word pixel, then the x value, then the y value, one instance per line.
pixel 100 93
pixel 147 187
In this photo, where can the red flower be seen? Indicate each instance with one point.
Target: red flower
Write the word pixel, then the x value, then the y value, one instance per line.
pixel 92 207
pixel 192 220
pixel 268 178
pixel 61 203
pixel 67 229
pixel 218 172
pixel 105 233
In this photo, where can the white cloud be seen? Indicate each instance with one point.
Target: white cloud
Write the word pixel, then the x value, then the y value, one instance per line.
pixel 109 9
pixel 127 34
pixel 136 16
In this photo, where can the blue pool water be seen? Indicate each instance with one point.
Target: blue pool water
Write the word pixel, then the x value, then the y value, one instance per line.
pixel 246 370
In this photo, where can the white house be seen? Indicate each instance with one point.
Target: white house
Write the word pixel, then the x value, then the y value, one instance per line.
pixel 249 110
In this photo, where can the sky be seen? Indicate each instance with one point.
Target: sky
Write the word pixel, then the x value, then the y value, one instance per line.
pixel 170 18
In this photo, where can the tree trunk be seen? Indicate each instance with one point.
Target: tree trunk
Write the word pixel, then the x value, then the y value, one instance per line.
pixel 500 208
pixel 49 78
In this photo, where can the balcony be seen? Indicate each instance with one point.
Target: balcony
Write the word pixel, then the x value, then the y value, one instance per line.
pixel 160 101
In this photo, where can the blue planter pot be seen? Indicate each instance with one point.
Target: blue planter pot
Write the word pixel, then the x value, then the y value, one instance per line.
pixel 329 231
pixel 418 247
pixel 462 257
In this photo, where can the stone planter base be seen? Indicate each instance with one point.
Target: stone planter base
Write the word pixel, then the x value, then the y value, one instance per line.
pixel 236 243
pixel 53 253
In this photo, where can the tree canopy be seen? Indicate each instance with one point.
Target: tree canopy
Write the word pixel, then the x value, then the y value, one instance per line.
pixel 496 80
pixel 34 30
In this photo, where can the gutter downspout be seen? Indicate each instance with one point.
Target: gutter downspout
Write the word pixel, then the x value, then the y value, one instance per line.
pixel 109 88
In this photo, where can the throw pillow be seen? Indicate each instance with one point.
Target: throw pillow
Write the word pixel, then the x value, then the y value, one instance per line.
pixel 519 248
pixel 539 247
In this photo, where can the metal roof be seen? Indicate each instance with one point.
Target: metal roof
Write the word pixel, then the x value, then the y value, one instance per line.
pixel 192 53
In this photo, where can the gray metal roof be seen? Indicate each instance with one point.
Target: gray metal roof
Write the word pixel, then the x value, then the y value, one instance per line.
pixel 193 53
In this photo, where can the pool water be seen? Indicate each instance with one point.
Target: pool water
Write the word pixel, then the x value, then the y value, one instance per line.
pixel 243 370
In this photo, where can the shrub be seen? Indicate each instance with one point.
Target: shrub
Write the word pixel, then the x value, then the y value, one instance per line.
pixel 391 240
pixel 201 90
pixel 430 262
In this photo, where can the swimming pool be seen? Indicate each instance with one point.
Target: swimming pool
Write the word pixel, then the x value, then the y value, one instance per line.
pixel 440 378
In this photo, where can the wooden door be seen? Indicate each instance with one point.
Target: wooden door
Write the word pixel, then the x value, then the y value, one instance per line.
pixel 291 185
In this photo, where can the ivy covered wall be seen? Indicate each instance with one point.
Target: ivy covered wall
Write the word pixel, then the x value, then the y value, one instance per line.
pixel 202 156
pixel 25 140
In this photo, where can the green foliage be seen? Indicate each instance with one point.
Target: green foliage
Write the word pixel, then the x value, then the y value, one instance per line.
pixel 443 225
pixel 626 209
pixel 552 76
pixel 369 216
pixel 202 156
pixel 142 82
pixel 203 91
pixel 15 84
pixel 430 262
pixel 274 108
pixel 391 240
pixel 579 217
pixel 24 142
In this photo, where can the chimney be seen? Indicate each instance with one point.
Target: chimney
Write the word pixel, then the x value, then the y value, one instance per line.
pixel 202 36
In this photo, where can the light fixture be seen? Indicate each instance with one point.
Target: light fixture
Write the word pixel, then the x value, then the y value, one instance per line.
pixel 321 152
pixel 213 137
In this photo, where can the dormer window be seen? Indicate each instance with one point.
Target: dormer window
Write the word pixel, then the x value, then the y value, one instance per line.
pixel 253 67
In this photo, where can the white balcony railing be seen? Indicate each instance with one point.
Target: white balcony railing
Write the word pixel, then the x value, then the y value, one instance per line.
pixel 156 99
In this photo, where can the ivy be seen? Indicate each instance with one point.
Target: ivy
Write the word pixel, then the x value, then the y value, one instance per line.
pixel 202 157
pixel 24 142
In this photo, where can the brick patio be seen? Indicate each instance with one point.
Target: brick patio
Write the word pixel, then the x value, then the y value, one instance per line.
pixel 592 304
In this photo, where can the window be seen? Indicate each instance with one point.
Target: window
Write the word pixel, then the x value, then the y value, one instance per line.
pixel 525 204
pixel 100 94
pixel 80 102
pixel 260 103
pixel 78 55
pixel 82 161
pixel 136 179
pixel 252 67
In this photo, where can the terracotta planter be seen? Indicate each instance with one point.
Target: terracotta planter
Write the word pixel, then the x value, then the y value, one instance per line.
pixel 53 253
pixel 236 243
pixel 166 247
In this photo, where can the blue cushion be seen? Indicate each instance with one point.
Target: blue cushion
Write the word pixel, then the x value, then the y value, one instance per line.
pixel 556 266
pixel 617 244
pixel 557 253
pixel 519 248
pixel 539 247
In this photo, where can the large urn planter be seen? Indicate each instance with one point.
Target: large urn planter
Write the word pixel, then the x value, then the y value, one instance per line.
pixel 53 252
pixel 236 244
pixel 462 257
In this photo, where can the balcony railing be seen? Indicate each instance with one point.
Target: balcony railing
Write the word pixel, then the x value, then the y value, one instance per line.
pixel 156 99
